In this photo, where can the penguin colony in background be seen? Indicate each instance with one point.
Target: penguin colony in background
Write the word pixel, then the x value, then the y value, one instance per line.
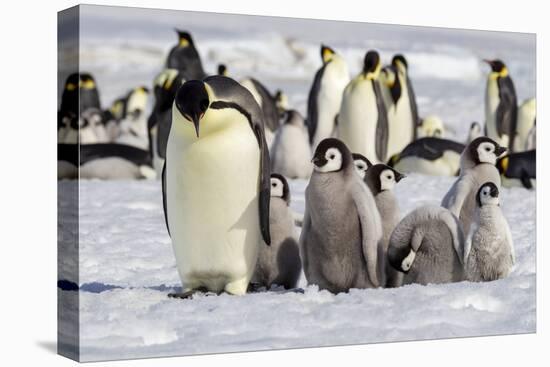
pixel 225 148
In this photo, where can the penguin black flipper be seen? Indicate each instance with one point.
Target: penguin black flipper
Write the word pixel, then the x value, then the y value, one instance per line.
pixel 312 103
pixel 382 125
pixel 414 106
pixel 507 109
pixel 163 176
pixel 265 184
pixel 526 180
pixel 269 106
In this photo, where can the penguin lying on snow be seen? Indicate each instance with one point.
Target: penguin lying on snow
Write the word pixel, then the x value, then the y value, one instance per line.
pixel 216 142
pixel 431 126
pixel 429 156
pixel 518 169
pixel 428 247
pixel 342 228
pixel 381 180
pixel 477 166
pixel 185 58
pixel 279 264
pixel 363 120
pixel 489 249
pixel 290 151
pixel 325 96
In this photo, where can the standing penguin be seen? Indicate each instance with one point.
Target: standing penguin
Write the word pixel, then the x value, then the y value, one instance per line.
pixel 216 185
pixel 279 264
pixel 500 105
pixel 518 169
pixel 400 64
pixel 527 114
pixel 290 151
pixel 342 228
pixel 381 180
pixel 185 58
pixel 489 248
pixel 325 95
pixel 401 125
pixel 477 166
pixel 363 121
pixel 429 156
pixel 474 132
pixel 428 247
pixel 79 94
pixel 362 164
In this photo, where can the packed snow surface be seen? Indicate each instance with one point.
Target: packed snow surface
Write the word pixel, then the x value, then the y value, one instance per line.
pixel 126 262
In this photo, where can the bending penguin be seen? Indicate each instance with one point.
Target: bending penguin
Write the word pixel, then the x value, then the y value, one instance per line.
pixel 429 156
pixel 500 105
pixel 489 249
pixel 381 180
pixel 363 120
pixel 400 64
pixel 477 166
pixel 185 58
pixel 290 151
pixel 518 169
pixel 325 96
pixel 216 186
pixel 279 264
pixel 428 247
pixel 342 228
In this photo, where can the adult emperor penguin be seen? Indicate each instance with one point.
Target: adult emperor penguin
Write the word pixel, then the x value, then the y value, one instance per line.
pixel 185 58
pixel 279 264
pixel 500 105
pixel 381 180
pixel 400 64
pixel 342 228
pixel 132 129
pixel 363 121
pixel 216 185
pixel 527 114
pixel 428 247
pixel 290 153
pixel 429 156
pixel 325 95
pixel 474 132
pixel 362 164
pixel 265 100
pixel 518 169
pixel 489 248
pixel 401 124
pixel 477 166
pixel 79 94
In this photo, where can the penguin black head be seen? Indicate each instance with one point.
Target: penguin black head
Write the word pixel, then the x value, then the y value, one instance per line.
pixel 382 178
pixel 279 187
pixel 192 101
pixel 399 58
pixel 87 81
pixel 326 53
pixel 362 164
pixel 72 82
pixel 497 66
pixel 222 70
pixel 331 155
pixel 401 258
pixel 485 150
pixel 184 38
pixel 371 62
pixel 488 194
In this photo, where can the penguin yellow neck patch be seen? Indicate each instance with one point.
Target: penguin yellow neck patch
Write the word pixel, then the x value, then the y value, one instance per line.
pixel 504 72
pixel 504 164
pixel 327 55
pixel 183 42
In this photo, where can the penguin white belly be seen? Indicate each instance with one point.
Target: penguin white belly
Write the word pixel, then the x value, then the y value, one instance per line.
pixel 447 165
pixel 328 102
pixel 400 125
pixel 492 101
pixel 292 155
pixel 213 210
pixel 358 120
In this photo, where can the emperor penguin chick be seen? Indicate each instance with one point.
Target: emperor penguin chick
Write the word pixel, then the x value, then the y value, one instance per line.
pixel 279 264
pixel 290 151
pixel 489 248
pixel 428 247
pixel 342 229
pixel 362 164
pixel 477 166
pixel 381 180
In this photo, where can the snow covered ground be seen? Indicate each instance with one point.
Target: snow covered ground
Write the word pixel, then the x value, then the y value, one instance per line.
pixel 125 257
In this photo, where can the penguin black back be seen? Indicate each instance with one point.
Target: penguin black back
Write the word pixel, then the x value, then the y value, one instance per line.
pixel 521 166
pixel 185 58
pixel 430 148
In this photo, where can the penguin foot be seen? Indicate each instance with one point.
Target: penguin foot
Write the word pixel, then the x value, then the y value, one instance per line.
pixel 187 294
pixel 255 288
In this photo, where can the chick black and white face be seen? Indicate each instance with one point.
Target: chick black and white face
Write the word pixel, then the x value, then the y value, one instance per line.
pixel 488 194
pixel 330 161
pixel 361 167
pixel 387 180
pixel 279 187
pixel 488 152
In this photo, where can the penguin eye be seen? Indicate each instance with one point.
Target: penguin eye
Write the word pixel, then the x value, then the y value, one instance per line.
pixel 487 149
pixel 331 156
pixel 388 177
